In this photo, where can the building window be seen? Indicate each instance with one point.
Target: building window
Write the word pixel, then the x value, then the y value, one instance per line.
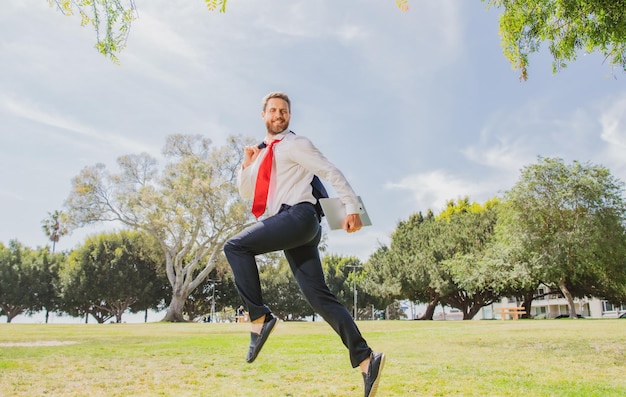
pixel 607 307
pixel 541 294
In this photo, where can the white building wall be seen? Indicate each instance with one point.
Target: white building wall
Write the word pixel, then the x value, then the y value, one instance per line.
pixel 553 305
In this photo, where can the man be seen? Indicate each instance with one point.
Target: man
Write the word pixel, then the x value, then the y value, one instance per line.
pixel 282 185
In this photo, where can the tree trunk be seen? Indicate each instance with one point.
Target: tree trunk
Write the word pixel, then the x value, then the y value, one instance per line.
pixel 430 310
pixel 11 315
pixel 471 312
pixel 527 303
pixel 569 297
pixel 175 309
pixel 12 311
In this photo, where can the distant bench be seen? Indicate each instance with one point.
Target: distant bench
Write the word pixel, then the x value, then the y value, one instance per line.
pixel 514 312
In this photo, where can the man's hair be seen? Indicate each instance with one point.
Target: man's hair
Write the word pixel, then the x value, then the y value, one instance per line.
pixel 276 94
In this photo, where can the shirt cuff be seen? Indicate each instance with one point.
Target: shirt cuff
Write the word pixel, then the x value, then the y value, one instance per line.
pixel 354 207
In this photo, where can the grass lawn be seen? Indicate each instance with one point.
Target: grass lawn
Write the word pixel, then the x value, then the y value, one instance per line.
pixel 424 358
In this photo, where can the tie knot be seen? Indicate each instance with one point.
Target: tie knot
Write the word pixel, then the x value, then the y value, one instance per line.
pixel 272 143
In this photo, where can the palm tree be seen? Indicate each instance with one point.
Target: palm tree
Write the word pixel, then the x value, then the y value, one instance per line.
pixel 54 228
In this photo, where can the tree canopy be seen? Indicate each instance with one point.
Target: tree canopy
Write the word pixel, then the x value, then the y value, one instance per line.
pixel 433 259
pixel 568 221
pixel 190 208
pixel 27 279
pixel 570 27
pixel 111 273
pixel 562 226
pixel 54 227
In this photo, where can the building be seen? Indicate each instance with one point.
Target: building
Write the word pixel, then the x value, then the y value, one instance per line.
pixel 553 305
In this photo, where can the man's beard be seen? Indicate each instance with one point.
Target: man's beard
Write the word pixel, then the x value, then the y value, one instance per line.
pixel 276 130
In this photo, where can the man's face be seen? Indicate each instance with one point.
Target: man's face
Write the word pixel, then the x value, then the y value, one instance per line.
pixel 276 115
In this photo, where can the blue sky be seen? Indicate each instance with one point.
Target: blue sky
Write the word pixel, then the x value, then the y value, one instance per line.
pixel 416 108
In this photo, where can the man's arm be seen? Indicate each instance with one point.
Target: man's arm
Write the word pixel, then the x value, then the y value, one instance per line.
pixel 245 180
pixel 312 159
pixel 250 153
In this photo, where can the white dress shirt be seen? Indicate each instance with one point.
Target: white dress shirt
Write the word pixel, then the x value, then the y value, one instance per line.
pixel 296 161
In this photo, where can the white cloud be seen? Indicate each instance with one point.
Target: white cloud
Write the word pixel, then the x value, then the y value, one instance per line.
pixel 160 49
pixel 613 121
pixel 425 40
pixel 66 128
pixel 433 189
pixel 505 154
pixel 12 196
pixel 34 113
pixel 512 139
pixel 311 20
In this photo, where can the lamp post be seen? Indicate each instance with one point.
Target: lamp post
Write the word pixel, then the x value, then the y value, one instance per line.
pixel 213 283
pixel 354 267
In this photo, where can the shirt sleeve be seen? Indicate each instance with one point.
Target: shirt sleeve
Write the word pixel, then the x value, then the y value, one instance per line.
pixel 308 156
pixel 246 180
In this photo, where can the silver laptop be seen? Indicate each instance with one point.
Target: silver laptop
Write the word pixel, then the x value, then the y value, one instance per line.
pixel 336 212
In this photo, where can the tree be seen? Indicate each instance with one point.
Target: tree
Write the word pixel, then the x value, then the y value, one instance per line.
pixel 47 289
pixel 338 274
pixel 111 19
pixel 109 274
pixel 570 26
pixel 433 259
pixel 404 271
pixel 570 222
pixel 507 267
pixel 26 279
pixel 55 227
pixel 191 208
pixel 12 300
pixel 280 289
pixel 345 273
pixel 463 242
pixel 217 293
pixel 380 281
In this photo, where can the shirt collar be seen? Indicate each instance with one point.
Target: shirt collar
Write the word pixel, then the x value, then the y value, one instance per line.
pixel 280 136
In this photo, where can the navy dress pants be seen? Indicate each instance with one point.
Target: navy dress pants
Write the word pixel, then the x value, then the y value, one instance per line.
pixel 295 230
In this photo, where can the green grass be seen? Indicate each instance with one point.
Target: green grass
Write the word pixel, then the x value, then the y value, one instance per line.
pixel 443 358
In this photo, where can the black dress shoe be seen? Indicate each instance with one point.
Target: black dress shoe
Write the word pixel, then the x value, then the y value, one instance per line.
pixel 258 340
pixel 371 379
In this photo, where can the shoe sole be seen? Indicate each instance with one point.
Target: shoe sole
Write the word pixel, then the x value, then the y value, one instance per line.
pixel 380 370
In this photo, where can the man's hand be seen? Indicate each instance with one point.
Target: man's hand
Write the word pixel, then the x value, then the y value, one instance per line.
pixel 250 154
pixel 352 223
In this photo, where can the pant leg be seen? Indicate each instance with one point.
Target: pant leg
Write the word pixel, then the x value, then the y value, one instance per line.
pixel 291 228
pixel 307 268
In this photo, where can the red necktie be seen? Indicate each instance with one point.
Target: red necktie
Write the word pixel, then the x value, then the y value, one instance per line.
pixel 263 181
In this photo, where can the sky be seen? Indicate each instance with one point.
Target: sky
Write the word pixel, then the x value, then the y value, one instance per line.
pixel 416 108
